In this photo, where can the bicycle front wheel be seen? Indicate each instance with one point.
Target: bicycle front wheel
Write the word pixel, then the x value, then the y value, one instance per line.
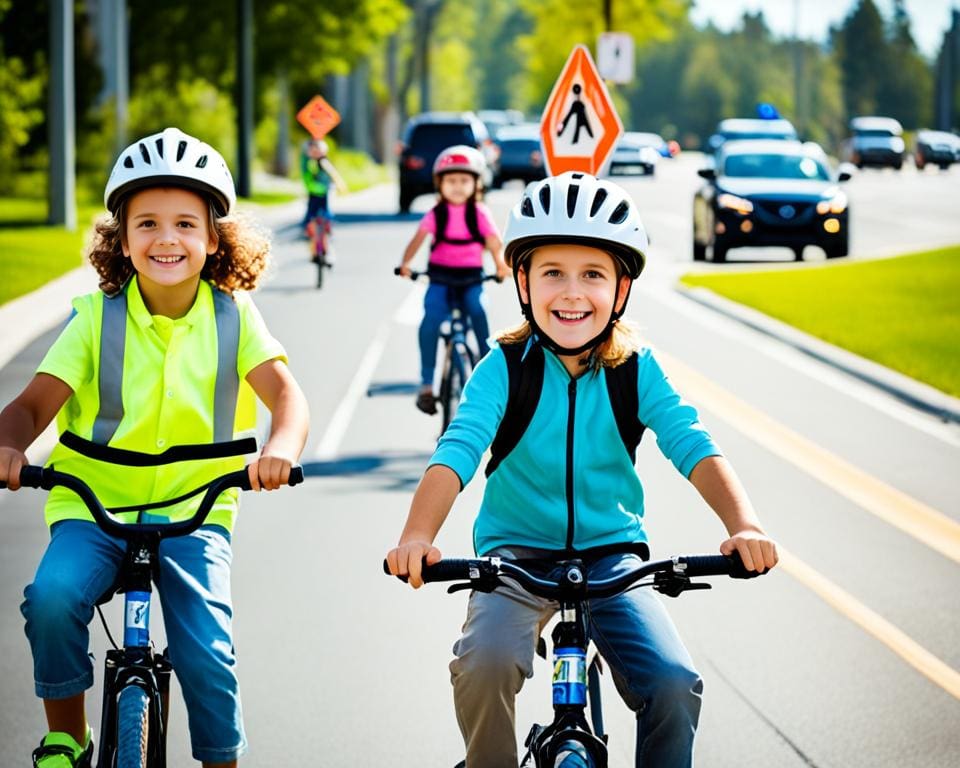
pixel 457 369
pixel 133 726
pixel 572 754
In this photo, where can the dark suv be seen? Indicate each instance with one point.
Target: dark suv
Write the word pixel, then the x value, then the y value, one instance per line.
pixel 426 135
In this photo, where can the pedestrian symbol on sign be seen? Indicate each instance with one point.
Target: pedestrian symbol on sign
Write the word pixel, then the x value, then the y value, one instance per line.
pixel 579 113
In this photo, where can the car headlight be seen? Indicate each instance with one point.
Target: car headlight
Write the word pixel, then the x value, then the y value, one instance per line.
pixel 835 204
pixel 734 203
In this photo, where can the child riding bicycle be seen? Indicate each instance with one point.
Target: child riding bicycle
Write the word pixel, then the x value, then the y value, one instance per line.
pixel 462 228
pixel 318 173
pixel 568 486
pixel 171 351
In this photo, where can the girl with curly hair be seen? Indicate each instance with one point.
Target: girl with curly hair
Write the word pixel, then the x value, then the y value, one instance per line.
pixel 171 351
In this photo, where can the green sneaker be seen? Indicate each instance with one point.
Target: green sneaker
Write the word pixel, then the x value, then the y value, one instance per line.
pixel 60 750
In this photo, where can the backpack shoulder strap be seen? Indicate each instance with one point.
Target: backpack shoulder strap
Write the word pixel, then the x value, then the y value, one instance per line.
pixel 473 223
pixel 525 383
pixel 625 401
pixel 440 218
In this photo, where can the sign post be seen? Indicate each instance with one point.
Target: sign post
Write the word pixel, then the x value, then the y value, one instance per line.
pixel 580 126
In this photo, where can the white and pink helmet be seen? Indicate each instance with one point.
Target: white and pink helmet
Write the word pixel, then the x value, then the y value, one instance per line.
pixel 461 158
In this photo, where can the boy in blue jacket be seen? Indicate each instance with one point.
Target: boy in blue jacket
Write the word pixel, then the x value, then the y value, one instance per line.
pixel 569 486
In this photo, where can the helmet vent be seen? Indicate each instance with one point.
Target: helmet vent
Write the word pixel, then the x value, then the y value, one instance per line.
pixel 598 201
pixel 159 143
pixel 128 162
pixel 144 153
pixel 181 149
pixel 545 198
pixel 202 162
pixel 578 175
pixel 526 208
pixel 572 196
pixel 619 213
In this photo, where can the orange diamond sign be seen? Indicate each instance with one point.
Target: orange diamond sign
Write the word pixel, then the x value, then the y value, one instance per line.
pixel 580 126
pixel 318 117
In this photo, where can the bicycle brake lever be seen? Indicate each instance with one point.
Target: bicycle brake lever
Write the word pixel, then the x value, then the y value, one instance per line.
pixel 673 585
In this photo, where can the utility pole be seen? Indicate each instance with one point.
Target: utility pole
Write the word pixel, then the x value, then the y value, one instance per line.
pixel 244 96
pixel 60 126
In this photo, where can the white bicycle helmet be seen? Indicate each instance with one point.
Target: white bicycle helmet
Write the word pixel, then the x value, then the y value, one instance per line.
pixel 460 157
pixel 173 158
pixel 582 209
pixel 577 207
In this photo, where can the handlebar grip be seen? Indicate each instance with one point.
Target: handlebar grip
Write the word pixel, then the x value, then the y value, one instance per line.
pixel 451 569
pixel 30 477
pixel 296 476
pixel 718 565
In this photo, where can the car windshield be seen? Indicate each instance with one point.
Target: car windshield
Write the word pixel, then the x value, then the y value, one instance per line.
pixel 770 166
pixel 436 136
pixel 874 133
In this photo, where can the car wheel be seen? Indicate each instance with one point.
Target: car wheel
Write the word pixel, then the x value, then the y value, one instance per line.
pixel 798 253
pixel 719 253
pixel 838 249
pixel 406 199
pixel 699 251
pixel 898 166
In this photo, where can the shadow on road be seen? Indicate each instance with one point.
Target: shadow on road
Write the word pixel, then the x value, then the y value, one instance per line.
pixel 398 471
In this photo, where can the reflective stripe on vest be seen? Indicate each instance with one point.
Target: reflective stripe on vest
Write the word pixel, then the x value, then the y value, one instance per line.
pixel 113 336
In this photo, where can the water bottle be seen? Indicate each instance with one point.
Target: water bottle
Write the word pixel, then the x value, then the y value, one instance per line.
pixel 569 676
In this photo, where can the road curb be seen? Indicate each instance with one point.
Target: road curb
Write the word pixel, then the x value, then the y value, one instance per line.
pixel 910 391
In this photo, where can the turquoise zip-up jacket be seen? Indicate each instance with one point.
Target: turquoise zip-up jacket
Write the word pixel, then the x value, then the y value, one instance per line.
pixel 569 483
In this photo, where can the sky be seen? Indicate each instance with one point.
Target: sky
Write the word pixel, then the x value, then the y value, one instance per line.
pixel 929 19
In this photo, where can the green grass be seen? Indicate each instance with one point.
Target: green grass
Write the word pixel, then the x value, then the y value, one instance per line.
pixel 32 253
pixel 903 313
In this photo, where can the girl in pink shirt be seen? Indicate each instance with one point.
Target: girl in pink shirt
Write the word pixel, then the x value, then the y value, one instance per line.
pixel 462 228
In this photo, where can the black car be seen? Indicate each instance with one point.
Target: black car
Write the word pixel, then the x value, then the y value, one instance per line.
pixel 936 148
pixel 520 154
pixel 770 193
pixel 426 135
pixel 876 141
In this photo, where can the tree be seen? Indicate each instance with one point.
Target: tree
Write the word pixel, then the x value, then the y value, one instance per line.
pixel 861 51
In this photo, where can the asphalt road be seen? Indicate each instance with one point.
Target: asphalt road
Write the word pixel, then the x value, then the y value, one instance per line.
pixel 848 655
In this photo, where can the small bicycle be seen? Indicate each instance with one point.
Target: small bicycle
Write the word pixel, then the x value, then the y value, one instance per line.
pixel 137 680
pixel 319 229
pixel 569 741
pixel 458 356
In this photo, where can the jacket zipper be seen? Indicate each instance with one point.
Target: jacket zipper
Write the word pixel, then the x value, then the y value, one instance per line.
pixel 571 408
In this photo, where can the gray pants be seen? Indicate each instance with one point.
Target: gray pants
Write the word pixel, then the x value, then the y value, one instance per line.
pixel 651 668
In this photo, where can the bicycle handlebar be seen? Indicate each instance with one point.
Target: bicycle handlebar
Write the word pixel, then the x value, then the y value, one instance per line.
pixel 487 573
pixel 466 283
pixel 48 478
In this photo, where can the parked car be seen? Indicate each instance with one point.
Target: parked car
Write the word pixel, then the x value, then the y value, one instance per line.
pixel 876 141
pixel 495 119
pixel 425 136
pixel 770 193
pixel 936 148
pixel 520 154
pixel 654 140
pixel 734 128
pixel 633 155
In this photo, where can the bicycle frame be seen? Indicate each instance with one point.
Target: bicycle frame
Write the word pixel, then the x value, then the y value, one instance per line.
pixel 136 664
pixel 319 229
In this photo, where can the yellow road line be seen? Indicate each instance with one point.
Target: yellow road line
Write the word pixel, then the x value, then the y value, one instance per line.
pixel 895 639
pixel 924 523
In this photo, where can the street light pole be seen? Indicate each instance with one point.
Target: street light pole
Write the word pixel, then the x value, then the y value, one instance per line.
pixel 60 126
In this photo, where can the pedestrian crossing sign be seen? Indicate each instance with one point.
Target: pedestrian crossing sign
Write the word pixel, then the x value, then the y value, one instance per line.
pixel 580 125
pixel 318 117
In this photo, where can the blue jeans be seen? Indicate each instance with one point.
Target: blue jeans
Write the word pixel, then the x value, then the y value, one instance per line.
pixel 316 204
pixel 633 632
pixel 81 563
pixel 436 309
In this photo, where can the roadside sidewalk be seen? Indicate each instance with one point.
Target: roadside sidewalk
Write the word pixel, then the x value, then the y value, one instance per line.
pixel 910 391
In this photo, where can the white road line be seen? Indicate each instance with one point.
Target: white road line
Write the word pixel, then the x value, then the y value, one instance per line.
pixel 337 427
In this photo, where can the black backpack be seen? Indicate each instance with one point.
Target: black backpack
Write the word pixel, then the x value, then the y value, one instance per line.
pixel 526 383
pixel 441 216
